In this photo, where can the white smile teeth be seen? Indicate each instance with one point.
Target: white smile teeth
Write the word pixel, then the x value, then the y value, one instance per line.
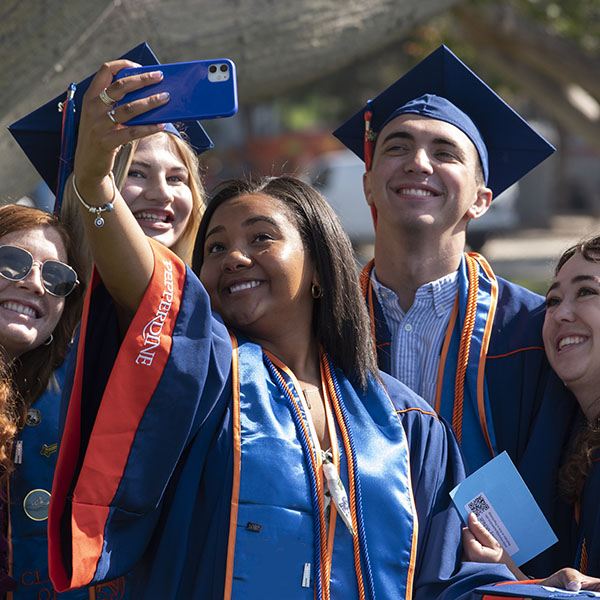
pixel 570 341
pixel 145 216
pixel 415 192
pixel 238 287
pixel 20 308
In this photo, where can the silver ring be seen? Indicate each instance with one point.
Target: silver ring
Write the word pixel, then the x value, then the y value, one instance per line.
pixel 106 98
pixel 111 116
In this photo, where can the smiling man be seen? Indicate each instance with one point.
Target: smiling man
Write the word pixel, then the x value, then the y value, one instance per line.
pixel 438 145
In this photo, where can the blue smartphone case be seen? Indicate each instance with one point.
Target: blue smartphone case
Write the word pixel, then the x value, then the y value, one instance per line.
pixel 199 90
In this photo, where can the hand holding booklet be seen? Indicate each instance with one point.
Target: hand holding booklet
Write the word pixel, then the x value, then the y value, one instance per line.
pixel 498 496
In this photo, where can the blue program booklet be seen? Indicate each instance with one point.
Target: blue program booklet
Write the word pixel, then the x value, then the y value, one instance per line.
pixel 498 496
pixel 532 590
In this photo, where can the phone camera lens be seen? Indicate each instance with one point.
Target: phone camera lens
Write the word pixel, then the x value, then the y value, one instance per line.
pixel 224 68
pixel 212 69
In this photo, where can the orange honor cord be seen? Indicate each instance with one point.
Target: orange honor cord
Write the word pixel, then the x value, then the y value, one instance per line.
pixel 367 292
pixel 326 373
pixel 410 576
pixel 484 348
pixel 583 560
pixel 464 348
pixel 324 567
pixel 335 451
pixel 237 462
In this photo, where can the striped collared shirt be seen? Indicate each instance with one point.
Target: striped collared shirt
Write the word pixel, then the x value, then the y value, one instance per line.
pixel 417 335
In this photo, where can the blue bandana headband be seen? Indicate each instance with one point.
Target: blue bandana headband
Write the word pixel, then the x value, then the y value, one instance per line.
pixel 436 107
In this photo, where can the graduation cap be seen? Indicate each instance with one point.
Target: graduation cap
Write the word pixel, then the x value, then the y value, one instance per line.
pixel 39 133
pixel 442 87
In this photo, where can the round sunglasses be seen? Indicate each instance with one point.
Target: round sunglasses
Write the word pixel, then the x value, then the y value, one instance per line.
pixel 58 279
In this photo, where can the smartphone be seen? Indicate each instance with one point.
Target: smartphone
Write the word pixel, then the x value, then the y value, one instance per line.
pixel 202 89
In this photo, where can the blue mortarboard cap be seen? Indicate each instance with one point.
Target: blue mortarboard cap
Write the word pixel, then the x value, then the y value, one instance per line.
pixel 443 87
pixel 39 133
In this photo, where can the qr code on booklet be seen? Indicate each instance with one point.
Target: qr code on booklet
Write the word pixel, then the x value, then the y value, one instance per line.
pixel 478 505
pixel 489 518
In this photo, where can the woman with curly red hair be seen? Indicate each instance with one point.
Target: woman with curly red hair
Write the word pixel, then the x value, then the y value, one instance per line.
pixel 40 304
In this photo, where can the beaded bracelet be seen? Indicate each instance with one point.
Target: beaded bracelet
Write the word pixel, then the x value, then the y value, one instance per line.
pixel 97 210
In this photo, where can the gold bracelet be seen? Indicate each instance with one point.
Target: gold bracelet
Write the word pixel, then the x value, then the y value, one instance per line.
pixel 97 210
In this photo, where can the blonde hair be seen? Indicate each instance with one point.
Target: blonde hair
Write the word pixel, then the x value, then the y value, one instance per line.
pixel 184 246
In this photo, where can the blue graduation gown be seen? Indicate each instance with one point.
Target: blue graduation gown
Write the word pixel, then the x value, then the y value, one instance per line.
pixel 30 485
pixel 555 428
pixel 146 467
pixel 500 408
pixel 588 526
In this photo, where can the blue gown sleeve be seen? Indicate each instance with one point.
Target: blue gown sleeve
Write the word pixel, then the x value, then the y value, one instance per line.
pixel 436 468
pixel 134 407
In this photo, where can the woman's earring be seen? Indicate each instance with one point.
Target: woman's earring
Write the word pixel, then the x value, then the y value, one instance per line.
pixel 49 340
pixel 316 290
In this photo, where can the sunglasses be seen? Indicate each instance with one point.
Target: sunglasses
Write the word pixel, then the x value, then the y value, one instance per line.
pixel 58 279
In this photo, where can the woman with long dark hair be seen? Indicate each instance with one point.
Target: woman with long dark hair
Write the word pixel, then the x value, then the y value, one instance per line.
pixel 234 437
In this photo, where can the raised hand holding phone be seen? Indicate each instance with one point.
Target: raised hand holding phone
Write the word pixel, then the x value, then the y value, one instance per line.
pixel 101 134
pixel 204 89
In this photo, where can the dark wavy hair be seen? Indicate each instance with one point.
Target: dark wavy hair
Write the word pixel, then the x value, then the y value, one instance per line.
pixel 578 463
pixel 31 372
pixel 589 248
pixel 340 319
pixel 587 442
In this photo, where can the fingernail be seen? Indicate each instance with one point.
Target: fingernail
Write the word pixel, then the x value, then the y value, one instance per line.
pixel 156 75
pixel 573 586
pixel 164 96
